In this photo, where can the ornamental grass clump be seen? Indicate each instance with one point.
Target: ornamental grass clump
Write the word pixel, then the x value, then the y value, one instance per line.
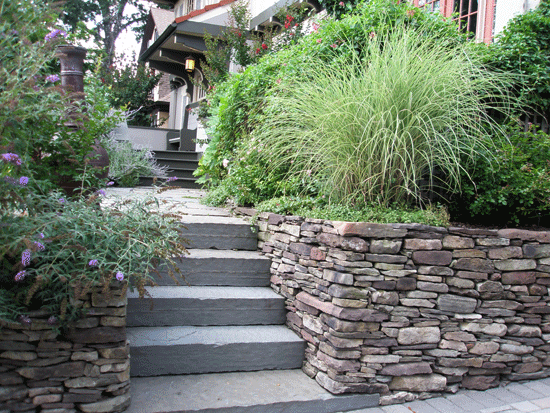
pixel 387 127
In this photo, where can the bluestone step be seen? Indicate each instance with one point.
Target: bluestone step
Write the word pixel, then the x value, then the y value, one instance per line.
pixel 157 351
pixel 223 233
pixel 221 267
pixel 276 391
pixel 206 306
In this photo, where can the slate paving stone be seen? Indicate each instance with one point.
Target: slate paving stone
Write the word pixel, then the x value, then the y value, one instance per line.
pixel 543 403
pixel 485 399
pixel 523 391
pixel 420 406
pixel 505 396
pixel 443 405
pixel 543 389
pixel 464 402
pixel 525 406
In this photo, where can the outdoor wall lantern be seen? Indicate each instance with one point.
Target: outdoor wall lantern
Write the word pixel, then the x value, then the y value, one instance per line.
pixel 189 64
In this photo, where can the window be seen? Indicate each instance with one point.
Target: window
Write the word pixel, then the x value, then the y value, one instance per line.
pixel 474 16
pixel 467 14
pixel 432 5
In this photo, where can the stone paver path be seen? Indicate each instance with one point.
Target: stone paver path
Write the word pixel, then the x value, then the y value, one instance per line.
pixel 532 397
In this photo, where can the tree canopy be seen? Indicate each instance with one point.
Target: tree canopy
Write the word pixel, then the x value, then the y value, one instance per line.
pixel 109 17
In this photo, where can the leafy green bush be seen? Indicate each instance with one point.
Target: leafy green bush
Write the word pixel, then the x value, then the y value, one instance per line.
pixel 515 189
pixel 127 164
pixel 130 89
pixel 237 108
pixel 53 250
pixel 523 48
pixel 374 128
pixel 37 117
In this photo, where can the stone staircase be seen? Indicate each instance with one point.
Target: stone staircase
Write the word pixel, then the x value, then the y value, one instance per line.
pixel 220 344
pixel 181 164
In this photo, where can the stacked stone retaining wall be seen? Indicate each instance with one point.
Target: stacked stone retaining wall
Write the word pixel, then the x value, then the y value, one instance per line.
pixel 86 368
pixel 412 311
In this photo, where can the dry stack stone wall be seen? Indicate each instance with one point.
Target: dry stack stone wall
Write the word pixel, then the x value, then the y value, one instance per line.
pixel 86 369
pixel 412 311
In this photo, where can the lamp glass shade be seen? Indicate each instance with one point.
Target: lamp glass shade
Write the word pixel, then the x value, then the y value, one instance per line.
pixel 189 64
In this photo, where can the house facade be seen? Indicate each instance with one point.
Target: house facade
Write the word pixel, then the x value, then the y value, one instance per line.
pixel 174 44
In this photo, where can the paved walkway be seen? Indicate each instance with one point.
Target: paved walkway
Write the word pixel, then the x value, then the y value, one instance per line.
pixel 532 396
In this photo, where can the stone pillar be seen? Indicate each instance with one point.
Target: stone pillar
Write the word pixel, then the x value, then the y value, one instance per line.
pixel 72 67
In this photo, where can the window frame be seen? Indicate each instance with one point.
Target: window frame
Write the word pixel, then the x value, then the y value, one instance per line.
pixel 485 16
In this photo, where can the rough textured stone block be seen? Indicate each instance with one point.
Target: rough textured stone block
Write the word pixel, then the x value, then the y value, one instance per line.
pixel 420 383
pixel 456 304
pixel 474 265
pixel 519 278
pixel 455 242
pixel 440 258
pixel 406 369
pixel 417 335
pixel 368 230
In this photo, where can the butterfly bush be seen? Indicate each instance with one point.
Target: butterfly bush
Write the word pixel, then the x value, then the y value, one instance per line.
pixel 55 249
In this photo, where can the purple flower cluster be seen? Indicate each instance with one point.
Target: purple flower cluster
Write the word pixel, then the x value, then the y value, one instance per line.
pixel 172 178
pixel 23 181
pixel 93 263
pixel 39 246
pixel 119 276
pixel 62 200
pixel 110 183
pixel 20 276
pixel 101 192
pixel 54 33
pixel 11 157
pixel 52 78
pixel 26 258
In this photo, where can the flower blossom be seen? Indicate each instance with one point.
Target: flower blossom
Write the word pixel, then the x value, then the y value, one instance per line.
pixel 62 200
pixel 225 163
pixel 52 78
pixel 110 183
pixel 26 258
pixel 101 192
pixel 40 235
pixel 39 246
pixel 264 46
pixel 172 178
pixel 119 276
pixel 23 181
pixel 54 33
pixel 93 263
pixel 11 157
pixel 341 4
pixel 20 276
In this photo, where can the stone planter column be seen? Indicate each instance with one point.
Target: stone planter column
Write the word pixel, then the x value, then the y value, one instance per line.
pixel 72 67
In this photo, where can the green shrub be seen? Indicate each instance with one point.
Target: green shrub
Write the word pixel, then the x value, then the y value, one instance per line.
pixel 37 117
pixel 318 208
pixel 237 108
pixel 515 189
pixel 374 128
pixel 127 164
pixel 523 48
pixel 53 250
